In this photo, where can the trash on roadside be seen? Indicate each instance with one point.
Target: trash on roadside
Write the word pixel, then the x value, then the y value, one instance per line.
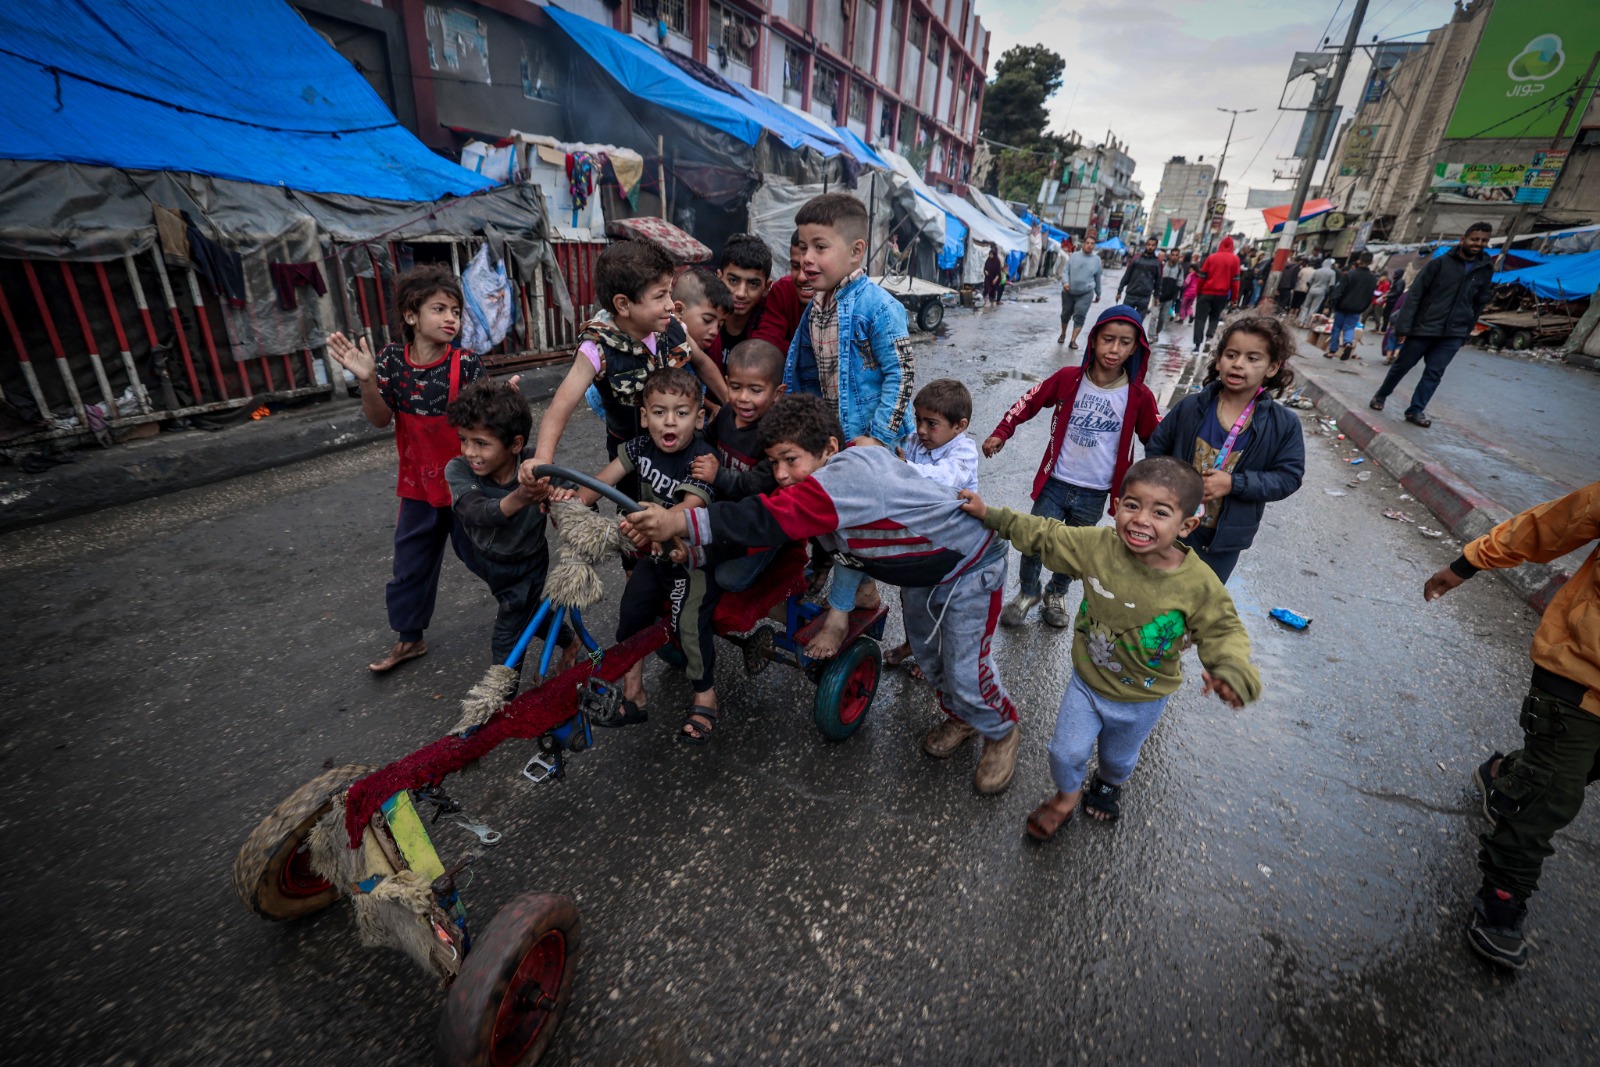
pixel 1398 515
pixel 1335 492
pixel 1341 437
pixel 1364 476
pixel 1293 620
pixel 1425 532
pixel 1356 460
pixel 1405 496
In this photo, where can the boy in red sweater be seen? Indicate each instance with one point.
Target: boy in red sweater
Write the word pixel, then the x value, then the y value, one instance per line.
pixel 1099 407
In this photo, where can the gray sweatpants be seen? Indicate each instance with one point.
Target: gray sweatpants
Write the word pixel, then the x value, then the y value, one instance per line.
pixel 1120 728
pixel 950 628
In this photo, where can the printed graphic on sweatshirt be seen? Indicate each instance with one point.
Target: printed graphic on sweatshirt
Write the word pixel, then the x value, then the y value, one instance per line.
pixel 1145 646
pixel 1092 416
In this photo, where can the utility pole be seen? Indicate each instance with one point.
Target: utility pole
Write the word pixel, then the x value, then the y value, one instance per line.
pixel 1319 130
pixel 1216 180
pixel 1580 98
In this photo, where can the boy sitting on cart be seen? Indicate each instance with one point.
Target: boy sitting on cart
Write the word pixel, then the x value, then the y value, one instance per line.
pixel 877 513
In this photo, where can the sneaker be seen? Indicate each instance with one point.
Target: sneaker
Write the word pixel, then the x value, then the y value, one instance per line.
pixel 1483 781
pixel 1055 610
pixel 998 764
pixel 1495 929
pixel 942 741
pixel 1016 612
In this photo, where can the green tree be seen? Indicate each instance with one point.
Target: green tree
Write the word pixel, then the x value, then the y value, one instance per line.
pixel 1013 103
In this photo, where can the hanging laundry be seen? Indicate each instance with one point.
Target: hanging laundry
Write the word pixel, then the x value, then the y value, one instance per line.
pixel 580 178
pixel 489 311
pixel 286 277
pixel 627 170
pixel 173 234
pixel 222 268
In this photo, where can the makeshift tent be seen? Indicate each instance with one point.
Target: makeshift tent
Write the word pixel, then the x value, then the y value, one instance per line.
pixel 1111 244
pixel 942 236
pixel 1276 216
pixel 774 203
pixel 863 152
pixel 982 230
pixel 1571 277
pixel 1055 233
pixel 118 83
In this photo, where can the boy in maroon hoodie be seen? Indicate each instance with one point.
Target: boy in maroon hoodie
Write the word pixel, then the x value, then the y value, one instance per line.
pixel 1219 287
pixel 1099 407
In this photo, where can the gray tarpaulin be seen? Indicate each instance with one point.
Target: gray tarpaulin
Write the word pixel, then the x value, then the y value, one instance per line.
pixel 773 207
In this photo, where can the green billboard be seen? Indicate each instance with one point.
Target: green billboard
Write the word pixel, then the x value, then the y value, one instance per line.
pixel 1531 54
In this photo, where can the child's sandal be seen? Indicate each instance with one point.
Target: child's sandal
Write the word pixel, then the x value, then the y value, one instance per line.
pixel 695 731
pixel 1046 819
pixel 1102 797
pixel 629 714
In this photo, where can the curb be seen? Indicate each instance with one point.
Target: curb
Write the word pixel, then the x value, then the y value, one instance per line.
pixel 170 463
pixel 1465 511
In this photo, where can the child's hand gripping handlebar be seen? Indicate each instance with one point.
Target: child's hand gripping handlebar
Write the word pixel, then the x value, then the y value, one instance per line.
pixel 594 485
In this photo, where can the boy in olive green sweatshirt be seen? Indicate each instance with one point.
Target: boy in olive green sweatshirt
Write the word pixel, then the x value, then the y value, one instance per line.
pixel 1145 596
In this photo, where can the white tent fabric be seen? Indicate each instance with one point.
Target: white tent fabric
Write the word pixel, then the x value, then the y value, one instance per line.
pixel 920 204
pixel 982 230
pixel 775 201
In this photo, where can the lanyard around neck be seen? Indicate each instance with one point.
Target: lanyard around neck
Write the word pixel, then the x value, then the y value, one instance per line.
pixel 1238 428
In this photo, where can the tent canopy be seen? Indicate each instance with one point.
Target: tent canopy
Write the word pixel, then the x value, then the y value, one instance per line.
pixel 1055 233
pixel 244 90
pixel 1111 244
pixel 1570 277
pixel 981 226
pixel 1276 216
pixel 863 152
pixel 646 74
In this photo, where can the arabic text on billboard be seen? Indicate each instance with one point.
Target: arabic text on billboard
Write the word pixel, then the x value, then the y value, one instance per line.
pixel 1513 183
pixel 1302 144
pixel 1531 53
pixel 1357 151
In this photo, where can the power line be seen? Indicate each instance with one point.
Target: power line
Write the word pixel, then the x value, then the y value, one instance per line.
pixel 1415 4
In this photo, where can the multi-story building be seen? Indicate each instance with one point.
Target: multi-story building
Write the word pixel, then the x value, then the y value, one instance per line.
pixel 1186 189
pixel 1098 191
pixel 908 74
pixel 1415 162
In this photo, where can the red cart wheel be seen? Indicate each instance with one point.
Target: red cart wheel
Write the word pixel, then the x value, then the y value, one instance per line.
pixel 846 689
pixel 505 1005
pixel 272 873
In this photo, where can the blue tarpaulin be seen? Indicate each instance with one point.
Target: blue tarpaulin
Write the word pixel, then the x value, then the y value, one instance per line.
pixel 242 89
pixel 955 237
pixel 860 149
pixel 1560 278
pixel 1055 233
pixel 646 74
pixel 1112 244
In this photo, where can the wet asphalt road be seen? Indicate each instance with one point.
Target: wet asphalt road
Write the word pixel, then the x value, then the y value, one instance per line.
pixel 1288 883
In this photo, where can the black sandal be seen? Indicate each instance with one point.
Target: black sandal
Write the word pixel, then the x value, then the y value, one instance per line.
pixel 631 715
pixel 695 732
pixel 1102 797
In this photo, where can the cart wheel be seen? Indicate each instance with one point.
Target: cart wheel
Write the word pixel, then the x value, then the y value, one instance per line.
pixel 846 689
pixel 930 315
pixel 272 873
pixel 505 1005
pixel 1495 338
pixel 1522 340
pixel 758 650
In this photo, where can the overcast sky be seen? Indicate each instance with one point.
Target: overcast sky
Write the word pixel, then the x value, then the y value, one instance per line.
pixel 1154 73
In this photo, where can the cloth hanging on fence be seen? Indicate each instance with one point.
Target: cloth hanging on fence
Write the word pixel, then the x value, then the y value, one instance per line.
pixel 173 233
pixel 629 170
pixel 222 268
pixel 489 313
pixel 286 277
pixel 580 177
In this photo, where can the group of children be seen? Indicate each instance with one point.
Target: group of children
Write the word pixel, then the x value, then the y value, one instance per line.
pixel 745 415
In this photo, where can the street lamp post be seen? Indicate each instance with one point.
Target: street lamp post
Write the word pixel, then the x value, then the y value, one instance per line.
pixel 1216 182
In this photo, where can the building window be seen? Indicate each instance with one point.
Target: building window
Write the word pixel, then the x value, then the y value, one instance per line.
pixel 825 86
pixel 950 67
pixel 858 100
pixel 675 13
pixel 886 122
pixel 919 30
pixel 733 34
pixel 794 68
pixel 908 127
pixel 864 24
pixel 935 53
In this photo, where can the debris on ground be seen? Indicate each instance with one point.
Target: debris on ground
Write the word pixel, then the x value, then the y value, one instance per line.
pixel 1426 532
pixel 1398 515
pixel 1293 620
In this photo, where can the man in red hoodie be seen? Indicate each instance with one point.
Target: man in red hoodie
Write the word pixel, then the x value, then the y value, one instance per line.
pixel 1097 410
pixel 1219 287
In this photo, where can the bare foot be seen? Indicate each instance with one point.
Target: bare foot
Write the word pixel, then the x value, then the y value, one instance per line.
pixel 897 655
pixel 1096 813
pixel 826 644
pixel 402 651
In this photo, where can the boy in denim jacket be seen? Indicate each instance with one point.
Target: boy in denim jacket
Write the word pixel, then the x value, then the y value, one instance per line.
pixel 852 347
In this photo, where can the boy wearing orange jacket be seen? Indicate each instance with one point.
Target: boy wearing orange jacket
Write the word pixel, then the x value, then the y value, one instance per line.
pixel 1535 791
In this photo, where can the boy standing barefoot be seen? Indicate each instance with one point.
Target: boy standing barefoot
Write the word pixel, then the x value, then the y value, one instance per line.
pixel 1144 595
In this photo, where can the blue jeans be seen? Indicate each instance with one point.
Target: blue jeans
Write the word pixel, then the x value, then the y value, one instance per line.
pixel 1344 329
pixel 740 573
pixel 1073 505
pixel 1086 719
pixel 1435 353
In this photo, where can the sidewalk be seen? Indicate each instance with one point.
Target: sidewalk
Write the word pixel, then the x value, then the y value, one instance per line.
pixel 1507 433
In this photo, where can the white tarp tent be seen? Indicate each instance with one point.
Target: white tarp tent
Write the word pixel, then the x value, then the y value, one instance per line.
pixel 981 230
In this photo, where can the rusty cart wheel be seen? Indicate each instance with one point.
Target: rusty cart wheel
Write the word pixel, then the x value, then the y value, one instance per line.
pixel 846 689
pixel 505 1005
pixel 272 874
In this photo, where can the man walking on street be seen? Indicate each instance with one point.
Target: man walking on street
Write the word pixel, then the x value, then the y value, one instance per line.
pixel 1140 279
pixel 1080 289
pixel 1441 307
pixel 1352 295
pixel 1167 293
pixel 1219 287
